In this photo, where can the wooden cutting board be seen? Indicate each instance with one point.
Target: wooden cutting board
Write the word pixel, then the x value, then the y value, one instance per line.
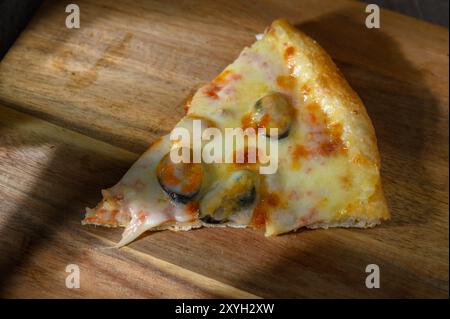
pixel 78 106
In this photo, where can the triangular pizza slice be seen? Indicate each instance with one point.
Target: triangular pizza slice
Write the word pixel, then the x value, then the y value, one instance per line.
pixel 315 163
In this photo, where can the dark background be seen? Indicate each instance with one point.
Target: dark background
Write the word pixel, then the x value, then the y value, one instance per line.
pixel 435 11
pixel 14 14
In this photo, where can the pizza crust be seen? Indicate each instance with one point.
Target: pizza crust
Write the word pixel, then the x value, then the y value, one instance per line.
pixel 327 86
pixel 324 83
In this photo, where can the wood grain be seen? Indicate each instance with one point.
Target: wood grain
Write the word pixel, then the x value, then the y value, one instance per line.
pixel 77 107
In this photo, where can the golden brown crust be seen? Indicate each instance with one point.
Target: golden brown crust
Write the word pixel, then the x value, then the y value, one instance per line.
pixel 324 84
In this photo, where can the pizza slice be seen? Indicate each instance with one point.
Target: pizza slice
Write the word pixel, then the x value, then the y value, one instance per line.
pixel 289 91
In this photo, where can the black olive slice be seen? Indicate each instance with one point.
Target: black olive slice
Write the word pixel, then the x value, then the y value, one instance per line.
pixel 181 181
pixel 273 111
